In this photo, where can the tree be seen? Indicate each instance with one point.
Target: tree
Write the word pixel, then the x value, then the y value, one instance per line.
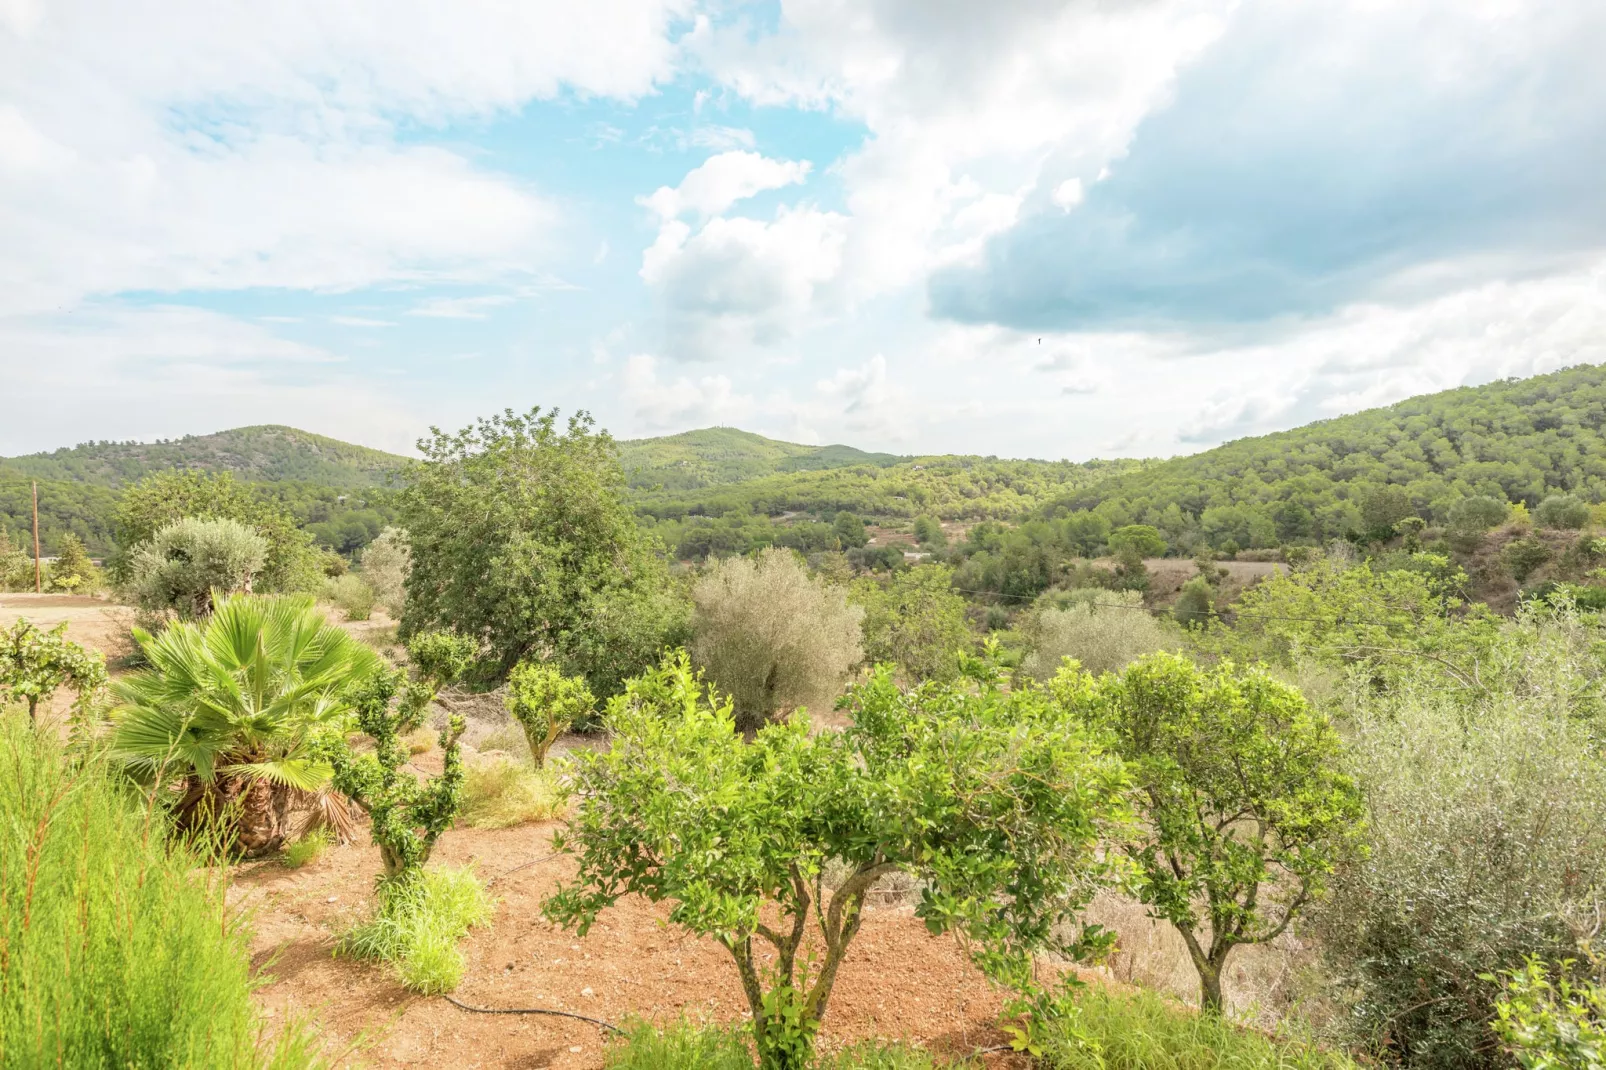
pixel 187 562
pixel 406 816
pixel 439 659
pixel 1196 602
pixel 914 621
pixel 545 703
pixel 849 531
pixel 16 567
pixel 384 565
pixel 990 796
pixel 1477 513
pixel 1562 511
pixel 1244 809
pixel 1103 630
pixel 1132 543
pixel 34 663
pixel 228 709
pixel 773 637
pixel 72 570
pixel 290 562
pixel 1384 507
pixel 521 540
pixel 1524 556
pixel 928 532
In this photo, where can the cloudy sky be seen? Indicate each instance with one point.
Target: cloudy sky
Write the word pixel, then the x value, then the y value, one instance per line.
pixel 1052 228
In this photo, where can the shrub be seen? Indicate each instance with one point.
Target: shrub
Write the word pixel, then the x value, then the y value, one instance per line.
pixel 684 1046
pixel 72 571
pixel 309 847
pixel 1143 1030
pixel 914 621
pixel 1245 810
pixel 987 795
pixel 417 925
pixel 352 595
pixel 33 664
pixel 120 947
pixel 225 714
pixel 1562 511
pixel 1552 1022
pixel 385 564
pixel 16 565
pixel 773 637
pixel 1478 513
pixel 545 703
pixel 1522 557
pixel 499 793
pixel 1196 604
pixel 1103 630
pixel 183 564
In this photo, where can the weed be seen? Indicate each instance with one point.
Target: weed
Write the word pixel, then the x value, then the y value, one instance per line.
pixel 420 919
pixel 500 793
pixel 686 1046
pixel 309 848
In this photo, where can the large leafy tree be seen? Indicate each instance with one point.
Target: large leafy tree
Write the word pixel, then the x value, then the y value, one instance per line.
pixel 915 621
pixel 521 540
pixel 1245 810
pixel 225 713
pixel 993 798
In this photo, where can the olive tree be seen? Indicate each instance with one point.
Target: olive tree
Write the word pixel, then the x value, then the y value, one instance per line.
pixel 385 563
pixel 773 637
pixel 188 561
pixel 1244 809
pixel 34 663
pixel 992 797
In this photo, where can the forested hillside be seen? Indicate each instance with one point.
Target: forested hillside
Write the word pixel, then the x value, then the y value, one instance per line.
pixel 714 456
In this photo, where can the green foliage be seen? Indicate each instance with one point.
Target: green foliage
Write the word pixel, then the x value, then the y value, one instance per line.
pixel 683 1046
pixel 34 663
pixel 439 659
pixel 1245 810
pixel 1523 557
pixel 1134 542
pixel 72 572
pixel 406 816
pixel 385 564
pixel 162 500
pixel 928 532
pixel 185 564
pixel 915 621
pixel 1023 562
pixel 1107 1029
pixel 987 795
pixel 1477 513
pixel 306 848
pixel 521 541
pixel 16 565
pixel 417 925
pixel 1196 604
pixel 546 703
pixel 226 711
pixel 772 636
pixel 1552 1022
pixel 82 510
pixel 715 456
pixel 849 531
pixel 1103 630
pixel 500 793
pixel 1562 511
pixel 120 948
pixel 351 594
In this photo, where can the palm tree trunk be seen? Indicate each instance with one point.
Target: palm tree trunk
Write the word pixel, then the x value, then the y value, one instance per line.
pixel 264 808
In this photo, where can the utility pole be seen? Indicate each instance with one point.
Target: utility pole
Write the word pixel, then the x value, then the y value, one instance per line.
pixel 38 586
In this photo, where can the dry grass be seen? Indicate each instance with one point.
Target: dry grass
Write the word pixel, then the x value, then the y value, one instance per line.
pixel 500 793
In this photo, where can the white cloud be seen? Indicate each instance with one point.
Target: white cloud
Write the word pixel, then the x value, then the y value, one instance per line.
pixel 659 404
pixel 461 308
pixel 864 400
pixel 721 181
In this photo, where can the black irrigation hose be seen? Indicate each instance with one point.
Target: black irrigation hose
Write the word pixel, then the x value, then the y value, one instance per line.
pixel 533 1010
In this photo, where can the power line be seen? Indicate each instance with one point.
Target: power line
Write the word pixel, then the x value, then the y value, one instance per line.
pixel 1160 612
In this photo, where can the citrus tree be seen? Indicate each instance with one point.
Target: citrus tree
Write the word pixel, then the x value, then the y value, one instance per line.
pixel 1237 780
pixel 545 703
pixel 227 710
pixel 34 663
pixel 993 798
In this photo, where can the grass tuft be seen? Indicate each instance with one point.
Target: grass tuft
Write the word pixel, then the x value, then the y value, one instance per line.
pixel 686 1046
pixel 309 848
pixel 501 793
pixel 418 924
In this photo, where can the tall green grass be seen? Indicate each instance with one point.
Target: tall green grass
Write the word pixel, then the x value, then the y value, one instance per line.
pixel 1146 1031
pixel 692 1047
pixel 117 948
pixel 417 926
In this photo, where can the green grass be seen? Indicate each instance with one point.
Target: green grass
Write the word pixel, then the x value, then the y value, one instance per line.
pixel 117 947
pixel 685 1046
pixel 418 925
pixel 500 793
pixel 309 848
pixel 1146 1031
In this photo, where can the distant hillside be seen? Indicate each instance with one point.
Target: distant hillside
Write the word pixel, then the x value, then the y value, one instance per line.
pixel 1515 439
pixel 268 453
pixel 717 456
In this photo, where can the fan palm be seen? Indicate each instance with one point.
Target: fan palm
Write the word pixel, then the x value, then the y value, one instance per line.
pixel 227 707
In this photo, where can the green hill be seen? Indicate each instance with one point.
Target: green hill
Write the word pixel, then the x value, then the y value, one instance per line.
pixel 716 456
pixel 267 453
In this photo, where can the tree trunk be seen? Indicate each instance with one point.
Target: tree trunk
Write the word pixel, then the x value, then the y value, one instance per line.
pixel 264 809
pixel 33 707
pixel 1210 1001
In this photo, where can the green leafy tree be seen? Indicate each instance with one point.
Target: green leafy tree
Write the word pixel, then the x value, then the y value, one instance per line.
pixel 439 659
pixel 990 796
pixel 520 539
pixel 1196 604
pixel 1562 511
pixel 186 563
pixel 1523 557
pixel 1132 543
pixel 290 561
pixel 34 663
pixel 16 567
pixel 772 636
pixel 1384 507
pixel 72 570
pixel 226 712
pixel 385 563
pixel 546 703
pixel 1552 1020
pixel 1478 513
pixel 928 532
pixel 406 815
pixel 1245 811
pixel 849 531
pixel 914 621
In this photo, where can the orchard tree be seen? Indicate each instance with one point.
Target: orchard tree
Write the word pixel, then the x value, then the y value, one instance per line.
pixel 188 562
pixel 773 637
pixel 992 797
pixel 914 621
pixel 520 539
pixel 545 703
pixel 72 570
pixel 34 663
pixel 1244 810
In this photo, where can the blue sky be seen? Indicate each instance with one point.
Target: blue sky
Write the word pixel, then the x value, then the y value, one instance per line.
pixel 1028 228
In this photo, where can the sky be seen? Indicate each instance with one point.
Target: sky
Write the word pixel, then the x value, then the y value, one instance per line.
pixel 1044 228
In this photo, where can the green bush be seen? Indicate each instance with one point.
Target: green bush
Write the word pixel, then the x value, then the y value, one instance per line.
pixel 1553 1021
pixel 117 946
pixel 420 919
pixel 1143 1030
pixel 308 848
pixel 684 1046
pixel 1103 630
pixel 352 595
pixel 183 564
pixel 1562 511
pixel 546 703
